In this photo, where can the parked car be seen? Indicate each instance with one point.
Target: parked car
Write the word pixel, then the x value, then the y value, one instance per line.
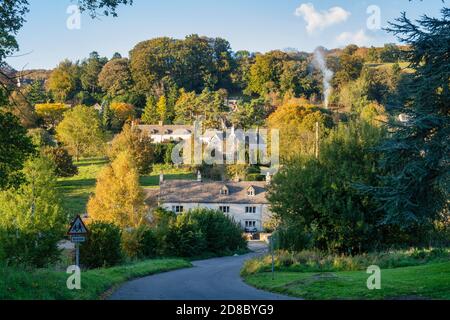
pixel 251 230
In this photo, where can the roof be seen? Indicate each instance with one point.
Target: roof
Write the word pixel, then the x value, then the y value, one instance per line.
pixel 166 129
pixel 188 191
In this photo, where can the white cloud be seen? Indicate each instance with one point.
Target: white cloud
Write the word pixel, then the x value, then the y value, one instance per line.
pixel 359 38
pixel 319 20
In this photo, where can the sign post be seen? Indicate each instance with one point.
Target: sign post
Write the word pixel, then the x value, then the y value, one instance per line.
pixel 77 233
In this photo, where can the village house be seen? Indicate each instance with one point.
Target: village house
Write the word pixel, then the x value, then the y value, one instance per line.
pixel 162 133
pixel 244 201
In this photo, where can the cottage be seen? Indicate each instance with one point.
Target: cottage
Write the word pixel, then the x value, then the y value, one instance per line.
pixel 244 201
pixel 167 133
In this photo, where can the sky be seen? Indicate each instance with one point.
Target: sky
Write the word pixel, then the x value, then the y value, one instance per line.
pixel 52 32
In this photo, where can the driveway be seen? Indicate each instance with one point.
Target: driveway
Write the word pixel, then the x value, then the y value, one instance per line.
pixel 213 279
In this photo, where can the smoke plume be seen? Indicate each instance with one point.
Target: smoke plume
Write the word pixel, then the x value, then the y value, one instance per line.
pixel 320 63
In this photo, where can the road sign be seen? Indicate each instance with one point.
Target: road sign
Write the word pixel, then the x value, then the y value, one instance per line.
pixel 77 232
pixel 77 239
pixel 77 227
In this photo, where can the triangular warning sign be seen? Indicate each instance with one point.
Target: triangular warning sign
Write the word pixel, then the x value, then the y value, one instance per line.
pixel 77 227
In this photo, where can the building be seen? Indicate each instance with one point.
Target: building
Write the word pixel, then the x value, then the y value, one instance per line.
pixel 167 133
pixel 244 201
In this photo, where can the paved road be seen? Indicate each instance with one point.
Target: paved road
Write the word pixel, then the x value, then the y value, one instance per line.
pixel 213 279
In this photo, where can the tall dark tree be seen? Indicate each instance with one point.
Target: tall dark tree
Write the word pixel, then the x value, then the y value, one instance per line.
pixel 415 190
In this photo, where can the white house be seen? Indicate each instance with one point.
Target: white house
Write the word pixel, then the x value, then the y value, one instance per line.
pixel 166 133
pixel 244 201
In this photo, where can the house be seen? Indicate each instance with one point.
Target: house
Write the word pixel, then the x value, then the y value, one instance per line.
pixel 244 201
pixel 167 133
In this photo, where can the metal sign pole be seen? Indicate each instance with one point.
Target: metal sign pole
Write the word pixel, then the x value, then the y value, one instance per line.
pixel 273 258
pixel 77 254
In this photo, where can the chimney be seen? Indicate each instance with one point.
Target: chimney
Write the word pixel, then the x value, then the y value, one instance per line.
pixel 268 178
pixel 161 123
pixel 161 178
pixel 199 176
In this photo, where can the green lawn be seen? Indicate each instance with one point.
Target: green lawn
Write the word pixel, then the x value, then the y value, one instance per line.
pixel 430 281
pixel 45 284
pixel 76 190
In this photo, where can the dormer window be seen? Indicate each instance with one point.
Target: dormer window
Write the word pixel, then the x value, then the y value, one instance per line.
pixel 224 191
pixel 251 192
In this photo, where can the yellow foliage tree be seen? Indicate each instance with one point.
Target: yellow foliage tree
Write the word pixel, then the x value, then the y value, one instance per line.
pixel 51 113
pixel 123 111
pixel 296 119
pixel 118 198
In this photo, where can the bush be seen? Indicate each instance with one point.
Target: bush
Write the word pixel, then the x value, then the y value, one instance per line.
pixel 185 238
pixel 139 243
pixel 29 248
pixel 103 246
pixel 62 160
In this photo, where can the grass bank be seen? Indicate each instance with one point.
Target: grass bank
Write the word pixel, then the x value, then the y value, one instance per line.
pixel 430 281
pixel 43 284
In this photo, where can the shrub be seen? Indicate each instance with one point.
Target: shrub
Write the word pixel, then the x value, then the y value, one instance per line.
pixel 62 160
pixel 185 237
pixel 103 246
pixel 139 243
pixel 29 248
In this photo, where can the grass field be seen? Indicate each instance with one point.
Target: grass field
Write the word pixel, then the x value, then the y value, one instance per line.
pixel 77 190
pixel 45 284
pixel 430 281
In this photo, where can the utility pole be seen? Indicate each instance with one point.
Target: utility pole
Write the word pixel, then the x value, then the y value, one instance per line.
pixel 317 140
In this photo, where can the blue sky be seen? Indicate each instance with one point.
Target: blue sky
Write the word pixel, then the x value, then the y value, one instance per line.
pixel 254 25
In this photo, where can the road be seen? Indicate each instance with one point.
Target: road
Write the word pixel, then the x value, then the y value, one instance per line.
pixel 213 279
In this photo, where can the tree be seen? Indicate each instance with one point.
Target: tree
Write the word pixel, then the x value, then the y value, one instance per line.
pixel 51 113
pixel 22 108
pixel 121 112
pixel 249 114
pixel 15 148
pixel 62 161
pixel 90 70
pixel 118 198
pixel 161 109
pixel 296 119
pixel 32 216
pixel 35 93
pixel 415 187
pixel 62 82
pixel 330 213
pixel 349 67
pixel 80 132
pixel 150 115
pixel 115 77
pixel 137 145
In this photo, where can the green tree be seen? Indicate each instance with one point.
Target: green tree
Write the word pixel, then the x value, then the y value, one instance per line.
pixel 36 93
pixel 15 148
pixel 80 132
pixel 90 70
pixel 150 115
pixel 415 187
pixel 32 216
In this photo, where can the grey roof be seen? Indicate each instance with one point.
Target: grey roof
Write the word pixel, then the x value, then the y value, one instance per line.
pixel 166 129
pixel 187 191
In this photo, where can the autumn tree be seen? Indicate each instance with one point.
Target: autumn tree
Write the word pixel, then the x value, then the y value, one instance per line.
pixel 296 120
pixel 51 113
pixel 63 81
pixel 132 141
pixel 121 113
pixel 115 77
pixel 80 132
pixel 161 109
pixel 118 197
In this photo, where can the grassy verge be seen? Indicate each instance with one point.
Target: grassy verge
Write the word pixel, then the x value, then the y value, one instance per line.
pixel 51 285
pixel 430 281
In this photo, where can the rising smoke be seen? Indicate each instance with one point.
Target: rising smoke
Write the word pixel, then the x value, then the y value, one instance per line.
pixel 320 63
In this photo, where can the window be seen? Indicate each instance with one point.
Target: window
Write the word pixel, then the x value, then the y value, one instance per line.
pixel 224 209
pixel 250 209
pixel 178 209
pixel 250 223
pixel 224 190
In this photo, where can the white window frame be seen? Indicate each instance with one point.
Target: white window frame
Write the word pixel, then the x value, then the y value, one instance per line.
pixel 178 209
pixel 250 209
pixel 224 209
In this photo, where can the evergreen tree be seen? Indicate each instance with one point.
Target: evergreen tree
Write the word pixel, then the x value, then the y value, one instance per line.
pixel 161 108
pixel 150 115
pixel 415 189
